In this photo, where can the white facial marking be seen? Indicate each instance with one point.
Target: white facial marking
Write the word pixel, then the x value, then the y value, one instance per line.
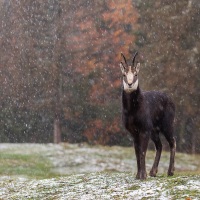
pixel 130 76
pixel 132 88
pixel 135 85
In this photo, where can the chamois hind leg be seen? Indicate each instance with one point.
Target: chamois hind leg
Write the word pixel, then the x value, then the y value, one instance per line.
pixel 168 132
pixel 172 144
pixel 158 145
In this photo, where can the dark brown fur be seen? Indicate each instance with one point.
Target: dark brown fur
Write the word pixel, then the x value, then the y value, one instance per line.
pixel 145 115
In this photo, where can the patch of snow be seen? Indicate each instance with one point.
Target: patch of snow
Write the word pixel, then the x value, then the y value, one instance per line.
pixel 194 184
pixel 91 186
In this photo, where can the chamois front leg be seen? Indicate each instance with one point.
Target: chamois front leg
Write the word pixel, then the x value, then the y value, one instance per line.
pixel 144 140
pixel 141 144
pixel 137 153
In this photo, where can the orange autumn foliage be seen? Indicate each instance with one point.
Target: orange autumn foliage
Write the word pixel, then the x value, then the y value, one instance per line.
pixel 115 36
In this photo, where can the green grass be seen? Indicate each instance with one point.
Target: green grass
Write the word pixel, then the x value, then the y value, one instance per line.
pixel 32 165
pixel 134 187
pixel 33 160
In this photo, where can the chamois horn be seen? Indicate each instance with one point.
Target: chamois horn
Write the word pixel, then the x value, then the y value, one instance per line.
pixel 124 59
pixel 134 58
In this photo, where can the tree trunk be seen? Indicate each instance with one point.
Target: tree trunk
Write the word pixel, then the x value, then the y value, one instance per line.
pixel 58 107
pixel 193 143
pixel 58 74
pixel 57 131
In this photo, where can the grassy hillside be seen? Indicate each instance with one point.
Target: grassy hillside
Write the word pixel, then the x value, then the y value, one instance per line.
pixel 66 171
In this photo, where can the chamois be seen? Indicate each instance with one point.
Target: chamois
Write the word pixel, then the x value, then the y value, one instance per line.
pixel 145 115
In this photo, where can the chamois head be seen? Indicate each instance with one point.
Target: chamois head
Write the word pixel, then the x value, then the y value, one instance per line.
pixel 130 74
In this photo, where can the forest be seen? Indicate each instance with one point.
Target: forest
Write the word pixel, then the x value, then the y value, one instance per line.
pixel 59 67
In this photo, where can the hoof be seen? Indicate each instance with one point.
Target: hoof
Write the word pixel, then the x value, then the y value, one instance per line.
pixel 141 176
pixel 170 173
pixel 153 173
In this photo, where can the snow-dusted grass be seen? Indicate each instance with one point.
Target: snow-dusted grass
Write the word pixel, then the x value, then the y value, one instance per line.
pixel 101 186
pixel 91 172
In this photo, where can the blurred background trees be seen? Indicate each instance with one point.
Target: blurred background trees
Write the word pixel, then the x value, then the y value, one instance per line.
pixel 59 69
pixel 169 38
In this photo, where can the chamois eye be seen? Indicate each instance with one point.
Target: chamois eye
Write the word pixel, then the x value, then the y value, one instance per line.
pixel 135 74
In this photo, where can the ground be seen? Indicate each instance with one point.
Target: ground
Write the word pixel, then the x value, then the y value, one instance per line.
pixel 66 171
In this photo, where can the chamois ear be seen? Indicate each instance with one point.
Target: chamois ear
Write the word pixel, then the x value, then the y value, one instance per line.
pixel 137 68
pixel 122 68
